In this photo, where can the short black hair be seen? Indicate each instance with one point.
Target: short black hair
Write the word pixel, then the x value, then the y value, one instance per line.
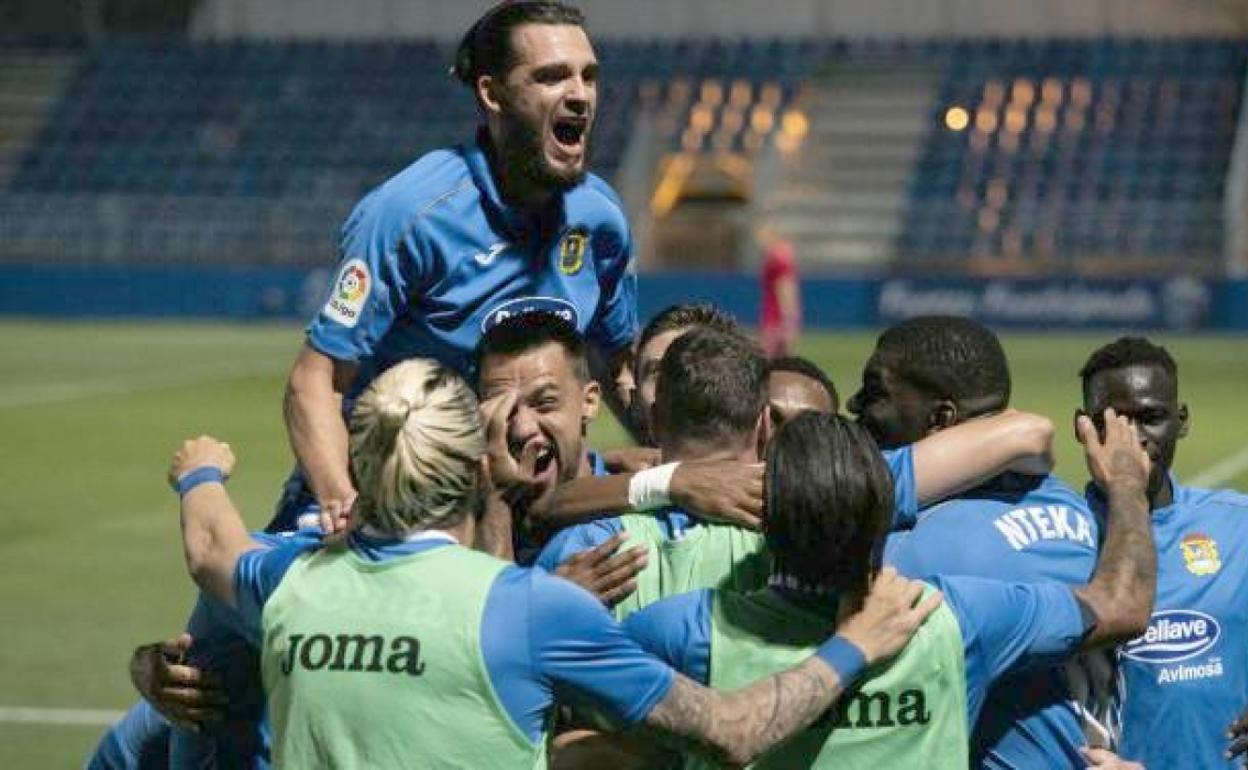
pixel 700 314
pixel 712 387
pixel 486 48
pixel 828 502
pixel 1124 352
pixel 806 368
pixel 949 357
pixel 531 330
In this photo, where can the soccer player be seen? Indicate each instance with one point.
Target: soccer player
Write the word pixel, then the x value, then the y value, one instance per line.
pixel 401 647
pixel 465 237
pixel 926 375
pixel 656 337
pixel 1186 678
pixel 711 402
pixel 710 405
pixel 795 385
pixel 781 320
pixel 829 505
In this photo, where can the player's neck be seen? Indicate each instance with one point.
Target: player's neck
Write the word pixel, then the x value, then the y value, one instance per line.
pixel 515 188
pixel 1164 496
pixel 691 451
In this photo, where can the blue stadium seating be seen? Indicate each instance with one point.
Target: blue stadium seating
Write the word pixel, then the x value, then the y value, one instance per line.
pixel 1075 150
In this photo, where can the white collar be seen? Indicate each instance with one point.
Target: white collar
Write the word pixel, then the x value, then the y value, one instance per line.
pixel 420 535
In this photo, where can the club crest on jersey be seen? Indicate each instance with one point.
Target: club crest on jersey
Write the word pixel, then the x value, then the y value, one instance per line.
pixel 1174 635
pixel 559 307
pixel 1200 554
pixel 349 293
pixel 572 251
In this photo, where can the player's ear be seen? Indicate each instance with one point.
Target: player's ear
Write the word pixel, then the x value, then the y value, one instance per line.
pixel 944 413
pixel 487 94
pixel 591 401
pixel 1074 422
pixel 1185 420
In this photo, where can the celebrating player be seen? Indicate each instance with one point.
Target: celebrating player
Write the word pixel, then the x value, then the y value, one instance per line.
pixel 710 404
pixel 829 505
pixel 796 385
pixel 1186 678
pixel 467 236
pixel 926 375
pixel 402 644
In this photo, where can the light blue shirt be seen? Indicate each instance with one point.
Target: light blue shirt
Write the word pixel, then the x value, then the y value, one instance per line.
pixel 1024 529
pixel 1186 679
pixel 433 257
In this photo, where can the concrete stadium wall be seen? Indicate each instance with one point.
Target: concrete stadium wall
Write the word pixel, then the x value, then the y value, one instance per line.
pixel 738 18
pixel 291 293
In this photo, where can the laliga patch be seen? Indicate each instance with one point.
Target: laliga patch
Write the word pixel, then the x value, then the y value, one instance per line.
pixel 559 307
pixel 350 292
pixel 572 251
pixel 1200 554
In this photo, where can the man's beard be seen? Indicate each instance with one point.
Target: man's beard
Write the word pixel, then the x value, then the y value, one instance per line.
pixel 525 156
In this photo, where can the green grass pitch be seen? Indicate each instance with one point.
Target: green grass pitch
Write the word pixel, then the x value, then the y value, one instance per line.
pixel 90 561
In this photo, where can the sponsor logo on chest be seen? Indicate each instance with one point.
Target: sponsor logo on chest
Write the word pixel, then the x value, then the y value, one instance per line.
pixel 559 307
pixel 1174 636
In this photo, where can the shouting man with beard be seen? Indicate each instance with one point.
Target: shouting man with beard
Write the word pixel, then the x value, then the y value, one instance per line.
pixel 465 237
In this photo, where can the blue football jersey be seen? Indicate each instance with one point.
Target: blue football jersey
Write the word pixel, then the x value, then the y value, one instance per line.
pixel 433 258
pixel 1186 679
pixel 1025 529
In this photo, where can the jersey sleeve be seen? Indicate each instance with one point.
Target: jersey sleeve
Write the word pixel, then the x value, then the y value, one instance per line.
pixel 258 574
pixel 371 286
pixel 615 325
pixel 572 540
pixel 905 493
pixel 582 652
pixel 1008 626
pixel 677 631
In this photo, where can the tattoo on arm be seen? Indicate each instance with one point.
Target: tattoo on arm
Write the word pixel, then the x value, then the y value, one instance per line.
pixel 738 726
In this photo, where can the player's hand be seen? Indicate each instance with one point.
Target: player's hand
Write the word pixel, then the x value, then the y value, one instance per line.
pixel 202 452
pixel 890 615
pixel 1115 459
pixel 720 490
pixel 335 517
pixel 604 573
pixel 631 459
pixel 1107 760
pixel 185 695
pixel 512 476
pixel 1237 734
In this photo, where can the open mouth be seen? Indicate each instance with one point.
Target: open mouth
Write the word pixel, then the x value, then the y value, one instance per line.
pixel 570 132
pixel 544 460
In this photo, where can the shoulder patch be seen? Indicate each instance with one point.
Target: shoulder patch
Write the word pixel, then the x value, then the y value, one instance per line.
pixel 349 293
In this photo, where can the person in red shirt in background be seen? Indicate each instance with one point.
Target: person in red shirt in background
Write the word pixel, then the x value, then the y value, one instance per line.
pixel 781 320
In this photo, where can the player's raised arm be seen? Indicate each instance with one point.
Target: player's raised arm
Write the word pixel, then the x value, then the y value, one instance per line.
pixel 318 435
pixel 969 453
pixel 213 533
pixel 739 726
pixel 1121 593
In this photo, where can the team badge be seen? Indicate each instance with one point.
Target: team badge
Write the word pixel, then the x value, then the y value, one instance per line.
pixel 572 251
pixel 1200 554
pixel 350 291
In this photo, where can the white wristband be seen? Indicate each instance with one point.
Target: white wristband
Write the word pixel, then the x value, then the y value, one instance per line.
pixel 650 489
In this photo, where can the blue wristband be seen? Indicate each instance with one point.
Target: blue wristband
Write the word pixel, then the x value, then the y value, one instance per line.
pixel 844 657
pixel 205 475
